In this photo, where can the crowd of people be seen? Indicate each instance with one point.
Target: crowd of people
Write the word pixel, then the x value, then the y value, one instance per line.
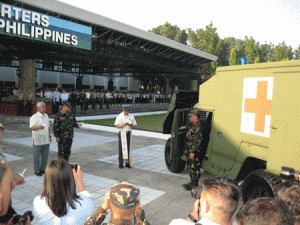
pixel 84 98
pixel 64 199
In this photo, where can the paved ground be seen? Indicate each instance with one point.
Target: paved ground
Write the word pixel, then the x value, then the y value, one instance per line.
pixel 95 149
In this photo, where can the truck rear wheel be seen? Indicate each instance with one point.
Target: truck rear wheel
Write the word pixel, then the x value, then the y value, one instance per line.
pixel 259 183
pixel 175 166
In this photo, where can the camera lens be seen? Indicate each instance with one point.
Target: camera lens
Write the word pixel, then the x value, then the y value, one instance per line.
pixel 196 192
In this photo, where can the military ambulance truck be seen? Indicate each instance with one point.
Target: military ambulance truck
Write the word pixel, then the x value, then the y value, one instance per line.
pixel 250 122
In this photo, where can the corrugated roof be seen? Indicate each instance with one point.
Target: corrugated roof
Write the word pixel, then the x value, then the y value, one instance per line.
pixel 98 20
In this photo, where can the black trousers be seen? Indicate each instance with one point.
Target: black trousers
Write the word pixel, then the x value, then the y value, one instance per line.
pixel 120 147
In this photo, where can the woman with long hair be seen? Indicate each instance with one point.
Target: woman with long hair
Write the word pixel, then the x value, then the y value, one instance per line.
pixel 59 203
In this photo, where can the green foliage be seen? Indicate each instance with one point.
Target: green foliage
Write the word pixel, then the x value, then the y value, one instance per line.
pixel 251 49
pixel 257 59
pixel 206 40
pixel 233 58
pixel 172 32
pixel 297 53
pixel 282 51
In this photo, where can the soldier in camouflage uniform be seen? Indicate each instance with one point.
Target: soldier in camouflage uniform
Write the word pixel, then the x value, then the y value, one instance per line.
pixel 83 101
pixel 123 200
pixel 192 149
pixel 29 101
pixel 63 130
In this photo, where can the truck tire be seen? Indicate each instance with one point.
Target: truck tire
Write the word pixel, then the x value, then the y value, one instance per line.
pixel 259 183
pixel 175 166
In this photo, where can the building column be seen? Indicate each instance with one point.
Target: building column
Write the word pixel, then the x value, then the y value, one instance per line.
pixel 194 85
pixel 27 74
pixel 167 87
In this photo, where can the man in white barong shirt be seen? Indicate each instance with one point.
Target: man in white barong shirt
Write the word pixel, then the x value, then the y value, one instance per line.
pixel 125 122
pixel 39 125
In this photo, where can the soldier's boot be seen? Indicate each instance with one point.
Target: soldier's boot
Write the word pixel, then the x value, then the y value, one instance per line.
pixel 187 184
pixel 128 165
pixel 193 184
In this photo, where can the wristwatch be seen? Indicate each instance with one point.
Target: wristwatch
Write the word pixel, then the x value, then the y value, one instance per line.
pixel 192 218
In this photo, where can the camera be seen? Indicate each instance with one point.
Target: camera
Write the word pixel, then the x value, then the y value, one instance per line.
pixel 23 219
pixel 74 166
pixel 196 192
pixel 290 173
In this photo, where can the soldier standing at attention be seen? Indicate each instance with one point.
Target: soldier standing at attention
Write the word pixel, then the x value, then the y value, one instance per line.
pixel 63 131
pixel 93 99
pixel 73 100
pixel 192 149
pixel 125 122
pixel 29 100
pixel 20 102
pixel 82 99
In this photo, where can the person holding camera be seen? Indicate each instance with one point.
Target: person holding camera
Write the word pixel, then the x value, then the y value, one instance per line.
pixel 123 201
pixel 59 203
pixel 125 122
pixel 7 184
pixel 216 203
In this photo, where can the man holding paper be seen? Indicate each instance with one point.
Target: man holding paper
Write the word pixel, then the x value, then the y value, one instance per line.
pixel 125 122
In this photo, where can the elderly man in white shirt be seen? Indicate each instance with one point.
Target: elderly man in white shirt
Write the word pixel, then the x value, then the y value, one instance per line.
pixel 125 122
pixel 39 125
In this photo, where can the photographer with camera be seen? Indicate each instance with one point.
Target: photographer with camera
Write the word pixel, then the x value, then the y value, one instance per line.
pixel 216 203
pixel 8 183
pixel 59 203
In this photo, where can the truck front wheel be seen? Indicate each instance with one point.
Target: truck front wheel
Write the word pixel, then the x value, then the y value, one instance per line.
pixel 259 183
pixel 175 166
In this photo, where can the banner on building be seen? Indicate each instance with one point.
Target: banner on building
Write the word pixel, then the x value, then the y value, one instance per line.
pixel 29 24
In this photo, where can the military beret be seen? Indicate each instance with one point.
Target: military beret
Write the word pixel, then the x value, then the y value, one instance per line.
pixel 124 195
pixel 195 112
pixel 66 103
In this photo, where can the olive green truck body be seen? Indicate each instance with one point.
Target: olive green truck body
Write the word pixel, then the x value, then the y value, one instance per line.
pixel 253 112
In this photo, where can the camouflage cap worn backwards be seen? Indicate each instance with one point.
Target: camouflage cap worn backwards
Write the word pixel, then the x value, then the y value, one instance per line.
pixel 2 118
pixel 195 112
pixel 67 103
pixel 124 195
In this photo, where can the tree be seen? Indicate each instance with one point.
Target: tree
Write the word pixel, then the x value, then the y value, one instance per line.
pixel 266 52
pixel 257 59
pixel 251 49
pixel 233 58
pixel 172 32
pixel 282 51
pixel 297 53
pixel 206 40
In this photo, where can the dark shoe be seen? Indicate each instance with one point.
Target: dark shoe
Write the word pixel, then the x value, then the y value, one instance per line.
pixel 39 174
pixel 193 184
pixel 121 166
pixel 186 185
pixel 128 165
pixel 42 172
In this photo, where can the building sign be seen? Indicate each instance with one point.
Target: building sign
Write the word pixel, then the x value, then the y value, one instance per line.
pixel 28 24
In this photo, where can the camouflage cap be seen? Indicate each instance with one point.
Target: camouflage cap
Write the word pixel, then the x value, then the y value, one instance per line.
pixel 195 112
pixel 2 118
pixel 126 107
pixel 124 195
pixel 67 103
